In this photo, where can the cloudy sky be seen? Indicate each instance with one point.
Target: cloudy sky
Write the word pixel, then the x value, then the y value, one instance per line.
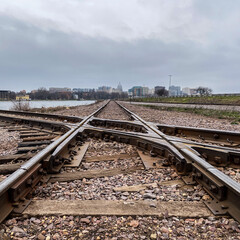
pixel 89 43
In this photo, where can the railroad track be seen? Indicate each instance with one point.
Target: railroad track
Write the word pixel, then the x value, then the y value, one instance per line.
pixel 194 154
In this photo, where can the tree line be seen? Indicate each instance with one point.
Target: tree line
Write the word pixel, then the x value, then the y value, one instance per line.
pixel 44 94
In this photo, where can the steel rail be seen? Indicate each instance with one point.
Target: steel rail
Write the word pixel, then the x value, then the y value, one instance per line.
pixel 37 122
pixel 6 183
pixel 216 155
pixel 224 190
pixel 218 136
pixel 42 115
pixel 31 164
pixel 135 126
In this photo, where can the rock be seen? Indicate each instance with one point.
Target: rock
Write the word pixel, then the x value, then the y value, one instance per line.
pixel 212 229
pixel 200 221
pixel 234 225
pixel 36 221
pixel 40 237
pixel 56 236
pixel 130 236
pixel 206 197
pixel 164 230
pixel 190 220
pixel 134 223
pixel 85 220
pixel 11 222
pixel 153 236
pixel 4 236
pixel 211 218
pixel 18 230
pixel 71 223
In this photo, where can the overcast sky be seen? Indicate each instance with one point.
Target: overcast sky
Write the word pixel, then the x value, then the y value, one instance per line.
pixel 89 43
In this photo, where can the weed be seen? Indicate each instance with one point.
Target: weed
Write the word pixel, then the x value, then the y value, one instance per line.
pixel 20 106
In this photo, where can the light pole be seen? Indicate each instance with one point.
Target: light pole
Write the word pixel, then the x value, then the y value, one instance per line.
pixel 170 79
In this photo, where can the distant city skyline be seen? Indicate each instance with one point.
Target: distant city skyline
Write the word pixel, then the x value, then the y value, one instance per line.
pixel 108 88
pixel 89 43
pixel 101 92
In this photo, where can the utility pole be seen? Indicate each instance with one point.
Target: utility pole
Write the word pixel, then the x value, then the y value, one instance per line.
pixel 170 80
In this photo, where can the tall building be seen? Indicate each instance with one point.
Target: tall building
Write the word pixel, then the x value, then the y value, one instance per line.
pixel 138 91
pixel 145 91
pixel 175 91
pixel 105 89
pixel 5 94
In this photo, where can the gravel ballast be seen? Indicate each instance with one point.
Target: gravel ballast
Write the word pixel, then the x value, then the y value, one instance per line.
pixel 119 228
pixel 82 110
pixel 181 118
pixel 107 188
pixel 8 142
pixel 113 111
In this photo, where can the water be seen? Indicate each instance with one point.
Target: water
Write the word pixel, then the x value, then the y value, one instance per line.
pixel 7 105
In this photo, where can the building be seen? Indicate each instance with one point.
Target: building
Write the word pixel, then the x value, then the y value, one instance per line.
pixel 23 98
pixel 83 90
pixel 5 94
pixel 104 89
pixel 59 90
pixel 189 91
pixel 145 91
pixel 138 91
pixel 151 91
pixel 119 87
pixel 175 91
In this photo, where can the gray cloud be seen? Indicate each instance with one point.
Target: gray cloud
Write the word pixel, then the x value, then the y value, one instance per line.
pixel 198 46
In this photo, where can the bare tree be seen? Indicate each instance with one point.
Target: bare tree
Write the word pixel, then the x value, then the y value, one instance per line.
pixel 162 92
pixel 204 91
pixel 20 106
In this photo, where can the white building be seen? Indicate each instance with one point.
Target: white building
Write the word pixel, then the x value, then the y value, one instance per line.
pixel 189 91
pixel 60 90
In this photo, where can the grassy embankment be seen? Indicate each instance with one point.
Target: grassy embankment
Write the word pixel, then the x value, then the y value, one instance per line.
pixel 223 100
pixel 233 116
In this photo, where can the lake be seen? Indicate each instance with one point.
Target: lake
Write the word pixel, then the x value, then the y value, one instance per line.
pixel 7 105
